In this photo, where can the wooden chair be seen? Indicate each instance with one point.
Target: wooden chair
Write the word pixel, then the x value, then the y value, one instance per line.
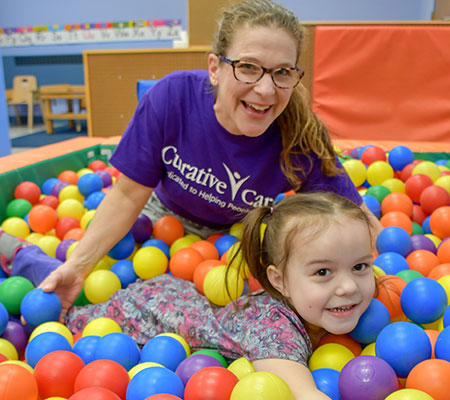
pixel 24 91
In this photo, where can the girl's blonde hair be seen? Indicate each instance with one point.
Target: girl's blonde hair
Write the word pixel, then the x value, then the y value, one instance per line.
pixel 301 130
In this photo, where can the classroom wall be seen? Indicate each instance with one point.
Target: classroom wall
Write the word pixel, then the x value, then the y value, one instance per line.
pixel 5 146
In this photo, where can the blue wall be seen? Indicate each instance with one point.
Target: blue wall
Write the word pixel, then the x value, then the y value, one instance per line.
pixel 5 144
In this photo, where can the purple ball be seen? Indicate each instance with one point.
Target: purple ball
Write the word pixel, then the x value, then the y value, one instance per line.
pixel 368 378
pixel 16 334
pixel 57 188
pixel 62 248
pixel 106 177
pixel 142 228
pixel 190 365
pixel 421 242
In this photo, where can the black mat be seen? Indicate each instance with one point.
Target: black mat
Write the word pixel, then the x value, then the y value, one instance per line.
pixel 39 139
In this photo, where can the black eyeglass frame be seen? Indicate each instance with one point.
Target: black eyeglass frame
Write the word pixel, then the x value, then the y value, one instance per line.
pixel 264 71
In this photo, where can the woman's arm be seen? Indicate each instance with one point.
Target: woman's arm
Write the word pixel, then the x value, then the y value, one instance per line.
pixel 296 375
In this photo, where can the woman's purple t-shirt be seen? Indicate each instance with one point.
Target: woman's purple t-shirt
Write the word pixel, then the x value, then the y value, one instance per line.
pixel 200 171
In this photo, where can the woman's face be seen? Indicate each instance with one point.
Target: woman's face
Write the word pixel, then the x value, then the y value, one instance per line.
pixel 249 109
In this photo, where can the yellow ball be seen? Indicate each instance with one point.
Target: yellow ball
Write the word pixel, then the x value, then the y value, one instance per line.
pixel 356 170
pixel 445 283
pixel 262 385
pixel 362 191
pixel 70 208
pixel 236 260
pixel 262 230
pixel 139 367
pixel 100 285
pixel 149 262
pixel 8 349
pixel 427 168
pixel 28 367
pixel 71 249
pixel 70 192
pixel 215 288
pixel 377 271
pixel 180 339
pixel 52 326
pixel 86 218
pixel 34 237
pixel 84 171
pixel 433 238
pixel 180 243
pixel 378 172
pixel 330 355
pixel 409 394
pixel 102 264
pixel 444 181
pixel 237 229
pixel 241 367
pixel 394 185
pixel 101 327
pixel 48 245
pixel 16 226
pixel 193 237
pixel 369 350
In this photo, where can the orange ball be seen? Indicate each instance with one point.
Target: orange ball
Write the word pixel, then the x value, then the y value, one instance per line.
pixel 253 284
pixel 388 291
pixel 75 234
pixel 345 340
pixel 443 252
pixel 432 377
pixel 69 176
pixel 16 382
pixel 397 218
pixel 184 262
pixel 42 219
pixel 439 271
pixel 200 272
pixel 206 249
pixel 440 222
pixel 397 202
pixel 168 229
pixel 422 261
pixel 113 171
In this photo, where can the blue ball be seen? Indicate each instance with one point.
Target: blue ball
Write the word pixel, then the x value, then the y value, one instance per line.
pixel 403 345
pixel 38 307
pixel 371 322
pixel 326 380
pixel 4 318
pixel 89 183
pixel 394 239
pixel 426 225
pixel 164 350
pixel 423 300
pixel 47 186
pixel 442 345
pixel 119 347
pixel 399 157
pixel 125 272
pixel 391 263
pixel 152 381
pixel 372 204
pixel 446 319
pixel 43 344
pixel 278 198
pixel 85 348
pixel 93 200
pixel 123 248
pixel 163 246
pixel 224 242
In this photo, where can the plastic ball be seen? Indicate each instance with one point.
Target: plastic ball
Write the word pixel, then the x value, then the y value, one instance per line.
pixel 356 171
pixel 326 380
pixel 106 177
pixel 378 172
pixel 55 327
pixel 409 275
pixel 43 344
pixel 330 355
pixel 440 222
pixel 38 307
pixel 164 247
pixel 8 350
pixel 48 244
pixel 433 197
pixel 96 165
pixel 142 228
pixel 439 271
pixel 68 176
pixel 241 367
pixel 4 316
pixel 149 262
pixel 42 219
pixel 29 191
pixel 89 183
pixel 123 248
pixel 422 261
pixel 85 347
pixel 415 185
pixel 399 157
pixel 443 252
pixel 224 243
pixel 394 239
pixel 372 204
pixel 168 229
pixel 101 327
pixel 70 192
pixel 100 285
pixel 163 396
pixel 16 334
pixel 18 208
pixel 395 185
pixel 367 377
pixel 378 191
pixel 61 250
pixel 50 201
pixel 57 188
pixel 184 262
pixel 403 345
pixel 397 202
pixel 17 383
pixel 427 168
pixel 190 365
pixel 16 226
pixel 345 340
pixel 431 377
pixel 409 394
pixel 206 249
pixel 70 208
pixel 139 367
pixel 442 345
pixel 181 243
pixel 93 200
pixel 55 373
pixel 372 154
pixel 155 380
pixel 12 292
pixel 398 219
pixel 125 272
pixel 261 385
pixel 164 350
pixel 421 242
pixel 94 393
pixel 216 282
pixel 119 347
pixel 391 262
pixel 107 374
pixel 48 184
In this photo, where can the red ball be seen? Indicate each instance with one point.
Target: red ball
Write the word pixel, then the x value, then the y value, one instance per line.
pixel 94 393
pixel 397 202
pixel 415 184
pixel 406 172
pixel 418 216
pixel 440 222
pixel 433 197
pixel 183 263
pixel 372 154
pixel 64 225
pixel 253 284
pixel 107 374
pixel 55 373
pixel 29 191
pixel 163 396
pixel 51 201
pixel 210 383
pixel 212 238
pixel 42 219
pixel 113 171
pixel 96 165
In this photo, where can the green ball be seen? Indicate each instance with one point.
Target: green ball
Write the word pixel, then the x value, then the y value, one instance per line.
pixel 12 291
pixel 379 192
pixel 81 300
pixel 214 354
pixel 417 229
pixel 409 275
pixel 18 208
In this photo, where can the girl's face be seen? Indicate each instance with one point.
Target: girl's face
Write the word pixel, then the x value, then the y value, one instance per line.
pixel 249 109
pixel 329 279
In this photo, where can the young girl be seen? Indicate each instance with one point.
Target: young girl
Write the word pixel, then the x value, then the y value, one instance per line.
pixel 315 266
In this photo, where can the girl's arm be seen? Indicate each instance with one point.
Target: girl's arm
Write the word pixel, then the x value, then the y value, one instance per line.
pixel 296 375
